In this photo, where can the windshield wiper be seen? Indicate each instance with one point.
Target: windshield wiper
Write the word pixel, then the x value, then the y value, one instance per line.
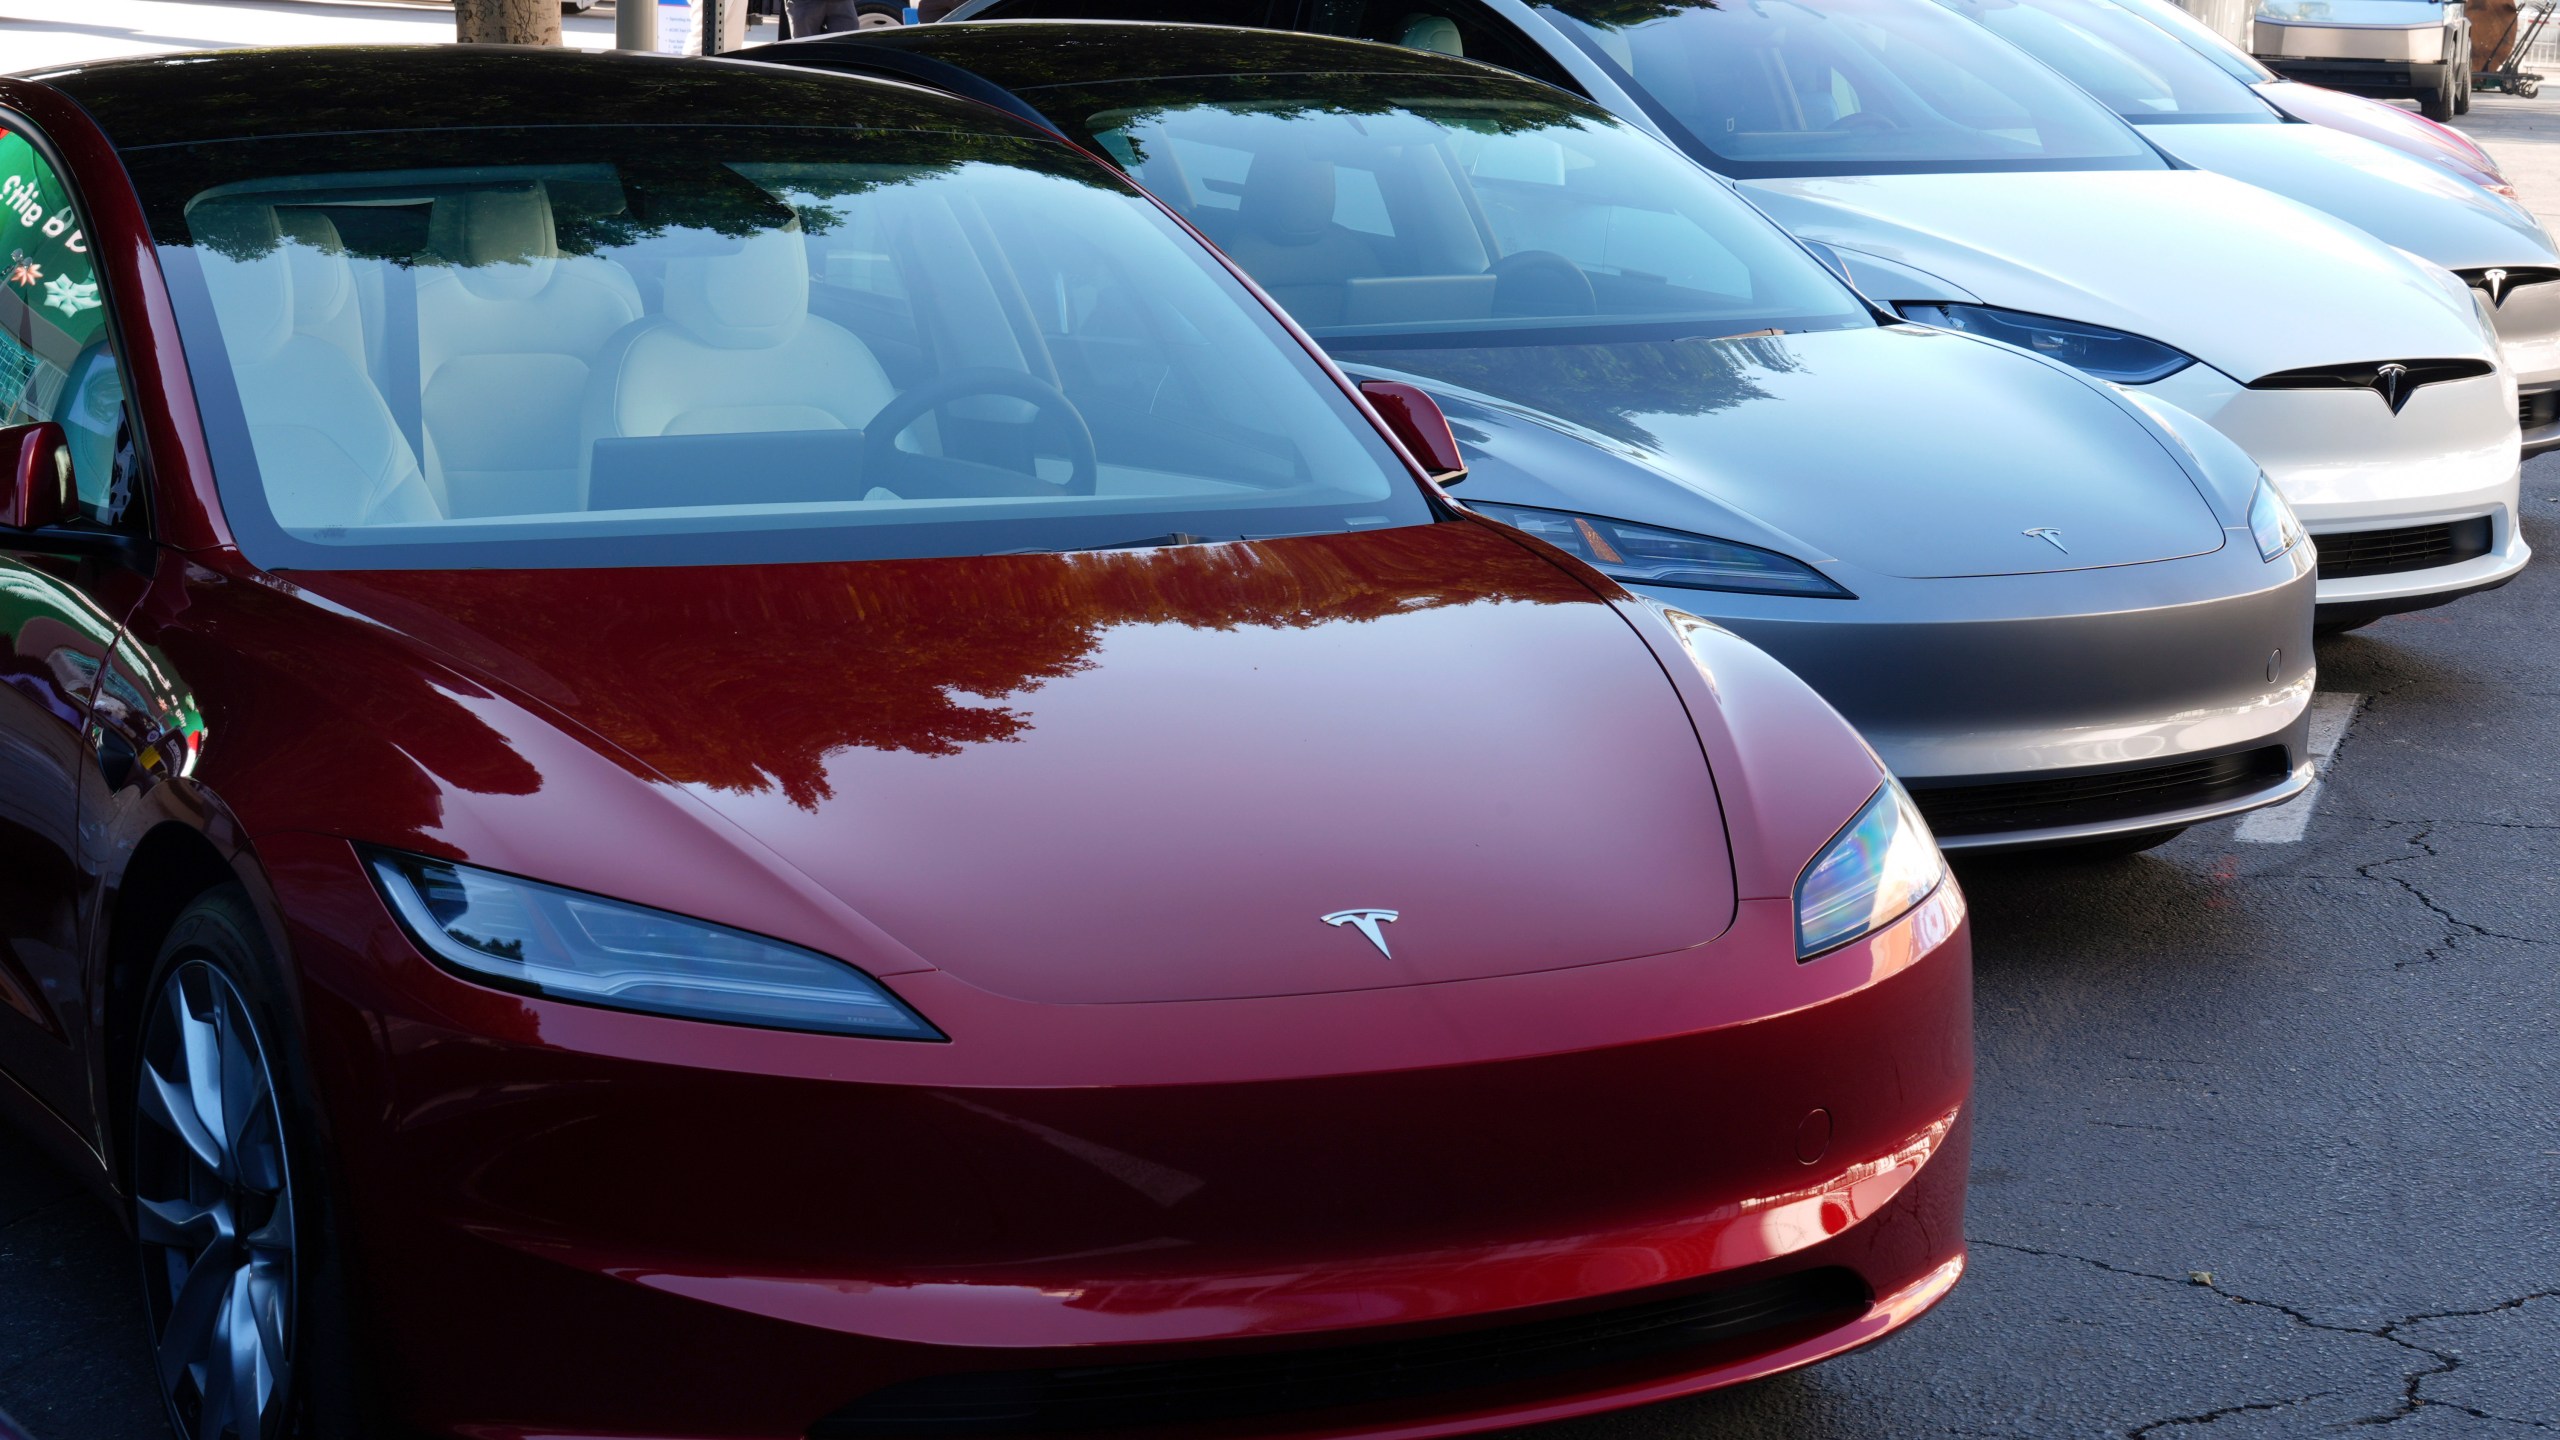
pixel 1175 537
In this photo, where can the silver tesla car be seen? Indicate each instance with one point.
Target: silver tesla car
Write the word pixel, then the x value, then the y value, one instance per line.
pixel 2063 616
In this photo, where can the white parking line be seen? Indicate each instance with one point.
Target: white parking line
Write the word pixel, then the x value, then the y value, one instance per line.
pixel 2331 714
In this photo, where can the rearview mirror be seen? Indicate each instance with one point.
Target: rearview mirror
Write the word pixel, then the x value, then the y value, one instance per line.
pixel 38 464
pixel 1415 419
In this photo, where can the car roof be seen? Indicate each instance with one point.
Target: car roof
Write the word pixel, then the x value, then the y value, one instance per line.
pixel 322 90
pixel 1040 54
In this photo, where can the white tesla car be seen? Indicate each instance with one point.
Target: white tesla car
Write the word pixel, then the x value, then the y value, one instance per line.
pixel 1968 185
pixel 2198 112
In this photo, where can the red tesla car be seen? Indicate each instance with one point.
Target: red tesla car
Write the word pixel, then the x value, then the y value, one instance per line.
pixel 693 751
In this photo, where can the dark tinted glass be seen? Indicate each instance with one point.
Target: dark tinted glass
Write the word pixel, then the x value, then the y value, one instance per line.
pixel 605 346
pixel 1256 13
pixel 1440 27
pixel 2139 70
pixel 1847 87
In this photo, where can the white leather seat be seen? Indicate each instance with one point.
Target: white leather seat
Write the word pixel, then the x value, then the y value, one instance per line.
pixel 508 332
pixel 735 352
pixel 328 449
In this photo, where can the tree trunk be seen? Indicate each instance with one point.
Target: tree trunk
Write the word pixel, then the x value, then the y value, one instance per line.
pixel 506 22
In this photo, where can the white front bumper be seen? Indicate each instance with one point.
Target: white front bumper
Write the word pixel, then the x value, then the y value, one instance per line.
pixel 2347 464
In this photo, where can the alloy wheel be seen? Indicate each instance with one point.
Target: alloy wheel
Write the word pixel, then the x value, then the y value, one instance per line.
pixel 213 1206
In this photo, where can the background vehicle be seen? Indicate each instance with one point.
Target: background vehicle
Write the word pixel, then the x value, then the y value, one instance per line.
pixel 1963 183
pixel 2194 110
pixel 860 837
pixel 1650 374
pixel 2419 48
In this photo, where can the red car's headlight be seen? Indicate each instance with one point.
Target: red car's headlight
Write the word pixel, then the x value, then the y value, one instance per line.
pixel 1871 874
pixel 569 945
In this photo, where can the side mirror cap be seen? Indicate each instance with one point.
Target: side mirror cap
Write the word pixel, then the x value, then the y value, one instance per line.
pixel 1415 419
pixel 37 461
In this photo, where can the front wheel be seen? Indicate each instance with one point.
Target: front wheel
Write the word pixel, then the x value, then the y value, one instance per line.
pixel 2527 89
pixel 227 1212
pixel 2436 101
pixel 2462 80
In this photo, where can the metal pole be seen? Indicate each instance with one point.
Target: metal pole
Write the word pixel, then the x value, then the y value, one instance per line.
pixel 635 25
pixel 711 18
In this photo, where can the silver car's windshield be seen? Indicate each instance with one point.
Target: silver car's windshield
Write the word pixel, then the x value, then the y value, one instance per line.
pixel 1761 88
pixel 2206 41
pixel 2142 72
pixel 1371 209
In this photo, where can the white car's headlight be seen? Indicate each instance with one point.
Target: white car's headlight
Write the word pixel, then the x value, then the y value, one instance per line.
pixel 2092 349
pixel 2273 522
pixel 569 945
pixel 1872 873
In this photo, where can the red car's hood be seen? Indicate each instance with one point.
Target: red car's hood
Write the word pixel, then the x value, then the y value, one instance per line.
pixel 1147 775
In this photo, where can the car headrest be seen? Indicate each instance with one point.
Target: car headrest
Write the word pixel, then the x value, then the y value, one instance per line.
pixel 753 297
pixel 248 268
pixel 1288 200
pixel 502 244
pixel 1435 33
pixel 324 283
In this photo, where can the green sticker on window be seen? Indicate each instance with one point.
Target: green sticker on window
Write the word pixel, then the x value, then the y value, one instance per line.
pixel 50 309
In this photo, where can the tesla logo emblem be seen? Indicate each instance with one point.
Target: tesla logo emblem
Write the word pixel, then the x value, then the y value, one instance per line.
pixel 1367 922
pixel 2391 382
pixel 2495 282
pixel 2048 535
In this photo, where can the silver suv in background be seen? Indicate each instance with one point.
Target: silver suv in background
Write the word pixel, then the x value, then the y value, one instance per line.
pixel 2382 48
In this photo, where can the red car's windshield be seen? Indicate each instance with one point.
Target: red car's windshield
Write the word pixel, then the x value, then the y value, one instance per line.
pixel 581 346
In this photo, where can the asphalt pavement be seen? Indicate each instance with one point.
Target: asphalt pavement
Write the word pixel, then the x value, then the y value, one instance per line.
pixel 2267 1120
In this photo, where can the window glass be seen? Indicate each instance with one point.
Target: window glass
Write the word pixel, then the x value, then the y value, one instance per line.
pixel 1449 29
pixel 56 359
pixel 1406 213
pixel 2139 70
pixel 579 346
pixel 1846 87
pixel 2206 41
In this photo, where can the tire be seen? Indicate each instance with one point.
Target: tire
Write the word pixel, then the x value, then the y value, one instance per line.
pixel 2115 847
pixel 232 1216
pixel 2462 81
pixel 2527 89
pixel 2436 101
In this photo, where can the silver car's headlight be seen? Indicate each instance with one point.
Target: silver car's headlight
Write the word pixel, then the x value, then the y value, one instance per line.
pixel 2095 349
pixel 569 945
pixel 1649 555
pixel 2272 520
pixel 1872 873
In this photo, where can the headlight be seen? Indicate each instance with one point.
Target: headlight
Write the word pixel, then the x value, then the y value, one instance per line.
pixel 1643 555
pixel 2272 521
pixel 1872 873
pixel 570 945
pixel 2107 354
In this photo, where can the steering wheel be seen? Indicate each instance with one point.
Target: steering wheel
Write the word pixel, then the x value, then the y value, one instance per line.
pixel 1541 282
pixel 932 477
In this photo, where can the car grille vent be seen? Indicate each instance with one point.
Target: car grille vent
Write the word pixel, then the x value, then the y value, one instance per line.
pixel 1189 1393
pixel 2537 408
pixel 2510 280
pixel 2085 799
pixel 2377 376
pixel 2389 552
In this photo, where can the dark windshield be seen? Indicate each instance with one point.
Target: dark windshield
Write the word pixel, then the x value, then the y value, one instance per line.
pixel 1379 207
pixel 1766 88
pixel 2138 69
pixel 617 345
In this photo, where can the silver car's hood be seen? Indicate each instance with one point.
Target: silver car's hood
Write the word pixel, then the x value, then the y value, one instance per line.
pixel 1899 451
pixel 2396 198
pixel 2244 280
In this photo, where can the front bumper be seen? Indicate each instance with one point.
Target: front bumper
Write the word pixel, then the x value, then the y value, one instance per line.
pixel 2528 319
pixel 2042 681
pixel 571 1222
pixel 2351 467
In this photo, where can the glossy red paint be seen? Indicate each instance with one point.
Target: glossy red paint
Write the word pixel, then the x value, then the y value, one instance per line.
pixel 1081 812
pixel 37 462
pixel 2387 124
pixel 1416 420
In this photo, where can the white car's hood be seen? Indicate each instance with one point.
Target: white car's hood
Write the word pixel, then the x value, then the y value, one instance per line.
pixel 2394 197
pixel 2248 282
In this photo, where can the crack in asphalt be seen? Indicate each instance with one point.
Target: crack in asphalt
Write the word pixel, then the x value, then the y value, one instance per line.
pixel 2442 1362
pixel 2420 838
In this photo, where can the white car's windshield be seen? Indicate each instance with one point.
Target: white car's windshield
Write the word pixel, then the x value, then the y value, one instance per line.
pixel 2203 39
pixel 2141 71
pixel 1846 87
pixel 1372 208
pixel 602 346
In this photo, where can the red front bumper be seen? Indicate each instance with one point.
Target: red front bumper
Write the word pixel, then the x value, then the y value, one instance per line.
pixel 571 1222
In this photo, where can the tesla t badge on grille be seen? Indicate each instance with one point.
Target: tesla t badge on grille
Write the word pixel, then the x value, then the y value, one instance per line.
pixel 2495 282
pixel 2391 382
pixel 1367 921
pixel 2048 535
